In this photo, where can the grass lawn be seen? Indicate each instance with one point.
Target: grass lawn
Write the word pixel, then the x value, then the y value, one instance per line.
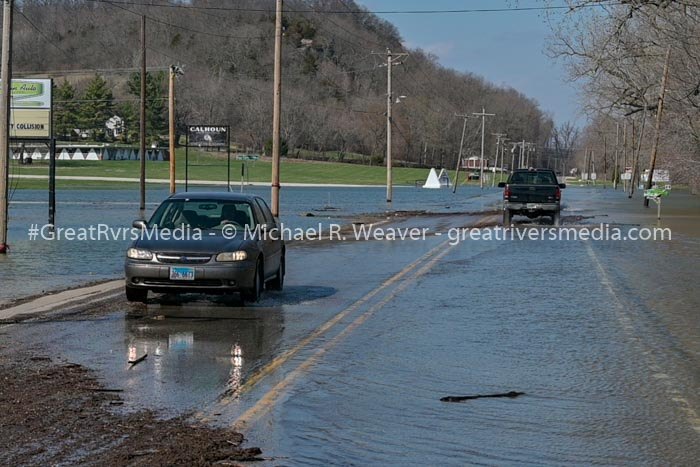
pixel 208 166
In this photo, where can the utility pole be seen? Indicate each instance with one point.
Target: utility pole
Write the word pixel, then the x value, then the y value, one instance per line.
pixel 637 140
pixel 142 132
pixel 633 162
pixel 624 155
pixel 5 102
pixel 459 157
pixel 499 139
pixel 503 147
pixel 171 125
pixel 483 116
pixel 392 59
pixel 605 160
pixel 616 170
pixel 277 104
pixel 657 130
pixel 389 175
pixel 175 71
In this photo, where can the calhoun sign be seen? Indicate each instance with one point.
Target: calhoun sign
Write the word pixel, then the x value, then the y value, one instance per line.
pixel 208 135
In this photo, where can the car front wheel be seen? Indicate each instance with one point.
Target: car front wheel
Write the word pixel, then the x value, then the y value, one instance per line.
pixel 136 295
pixel 277 282
pixel 253 295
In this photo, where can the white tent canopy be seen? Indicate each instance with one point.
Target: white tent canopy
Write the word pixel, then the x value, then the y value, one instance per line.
pixel 433 181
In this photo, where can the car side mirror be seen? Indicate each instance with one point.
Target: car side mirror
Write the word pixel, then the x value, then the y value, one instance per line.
pixel 501 184
pixel 139 224
pixel 562 185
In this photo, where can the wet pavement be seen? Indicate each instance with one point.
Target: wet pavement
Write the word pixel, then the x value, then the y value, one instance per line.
pixel 348 364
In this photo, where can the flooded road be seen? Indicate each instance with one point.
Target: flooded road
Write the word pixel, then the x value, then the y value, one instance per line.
pixel 348 364
pixel 41 265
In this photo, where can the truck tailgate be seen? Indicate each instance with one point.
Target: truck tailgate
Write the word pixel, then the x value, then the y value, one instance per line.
pixel 533 193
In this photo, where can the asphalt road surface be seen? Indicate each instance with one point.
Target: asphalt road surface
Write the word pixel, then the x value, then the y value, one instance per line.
pixel 348 364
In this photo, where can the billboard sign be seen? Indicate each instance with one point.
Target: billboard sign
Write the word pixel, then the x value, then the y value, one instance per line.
pixel 31 94
pixel 207 135
pixel 30 109
pixel 660 175
pixel 26 123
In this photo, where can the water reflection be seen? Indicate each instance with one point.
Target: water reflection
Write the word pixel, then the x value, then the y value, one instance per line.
pixel 196 350
pixel 234 382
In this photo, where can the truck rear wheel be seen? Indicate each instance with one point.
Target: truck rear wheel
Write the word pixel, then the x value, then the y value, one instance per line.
pixel 556 218
pixel 507 218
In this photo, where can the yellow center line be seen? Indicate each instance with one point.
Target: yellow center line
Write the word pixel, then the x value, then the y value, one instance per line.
pixel 281 359
pixel 272 396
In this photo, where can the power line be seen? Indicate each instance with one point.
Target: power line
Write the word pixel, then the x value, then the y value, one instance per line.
pixel 37 29
pixel 85 71
pixel 177 26
pixel 249 87
pixel 348 11
pixel 348 31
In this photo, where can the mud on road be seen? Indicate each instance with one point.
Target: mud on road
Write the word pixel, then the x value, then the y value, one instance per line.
pixel 57 412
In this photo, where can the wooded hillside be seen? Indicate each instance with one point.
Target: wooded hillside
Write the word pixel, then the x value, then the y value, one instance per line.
pixel 334 89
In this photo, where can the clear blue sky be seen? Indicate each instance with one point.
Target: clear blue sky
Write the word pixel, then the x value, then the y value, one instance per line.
pixel 505 48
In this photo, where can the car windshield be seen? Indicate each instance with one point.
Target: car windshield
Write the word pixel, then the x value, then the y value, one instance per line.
pixel 533 178
pixel 202 214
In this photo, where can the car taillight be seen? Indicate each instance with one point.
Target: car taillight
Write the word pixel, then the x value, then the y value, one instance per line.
pixel 557 194
pixel 506 193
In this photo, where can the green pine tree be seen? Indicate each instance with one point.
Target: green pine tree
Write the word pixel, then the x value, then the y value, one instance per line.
pixel 97 108
pixel 155 101
pixel 65 114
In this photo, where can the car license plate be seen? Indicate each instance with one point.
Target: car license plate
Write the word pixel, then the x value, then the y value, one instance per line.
pixel 533 206
pixel 182 274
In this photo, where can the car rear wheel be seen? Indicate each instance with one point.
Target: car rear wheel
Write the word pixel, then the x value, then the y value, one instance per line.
pixel 253 295
pixel 136 295
pixel 277 283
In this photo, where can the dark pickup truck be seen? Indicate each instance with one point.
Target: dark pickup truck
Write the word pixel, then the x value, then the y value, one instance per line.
pixel 532 193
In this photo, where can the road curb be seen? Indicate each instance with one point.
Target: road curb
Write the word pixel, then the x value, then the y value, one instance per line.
pixel 66 298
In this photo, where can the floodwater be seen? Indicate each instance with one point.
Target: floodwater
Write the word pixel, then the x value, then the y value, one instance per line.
pixel 348 364
pixel 41 265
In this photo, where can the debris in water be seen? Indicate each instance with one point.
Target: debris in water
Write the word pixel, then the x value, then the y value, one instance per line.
pixel 511 395
pixel 138 360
